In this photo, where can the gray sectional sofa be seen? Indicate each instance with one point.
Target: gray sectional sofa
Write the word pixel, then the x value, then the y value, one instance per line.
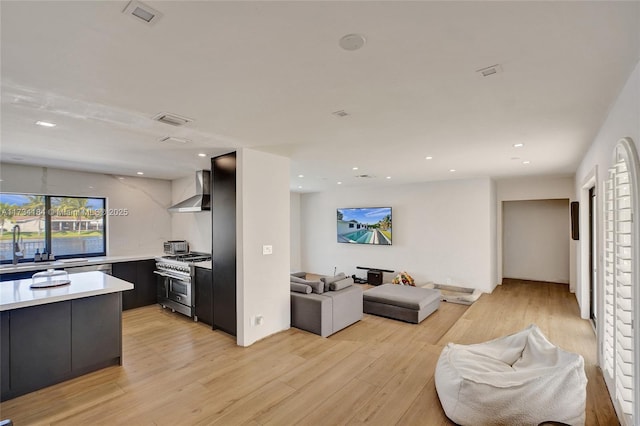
pixel 325 306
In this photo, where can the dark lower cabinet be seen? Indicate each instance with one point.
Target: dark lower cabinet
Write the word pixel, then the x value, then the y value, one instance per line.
pixel 47 344
pixel 40 346
pixel 95 331
pixel 140 273
pixel 204 295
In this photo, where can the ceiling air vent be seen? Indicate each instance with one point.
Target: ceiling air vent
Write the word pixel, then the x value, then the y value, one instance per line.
pixel 172 139
pixel 173 119
pixel 493 69
pixel 142 12
pixel 341 113
pixel 364 176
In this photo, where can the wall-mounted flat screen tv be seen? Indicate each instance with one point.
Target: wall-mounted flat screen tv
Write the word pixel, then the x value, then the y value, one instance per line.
pixel 366 225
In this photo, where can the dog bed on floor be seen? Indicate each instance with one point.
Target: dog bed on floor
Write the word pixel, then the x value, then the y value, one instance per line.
pixel 461 295
pixel 520 379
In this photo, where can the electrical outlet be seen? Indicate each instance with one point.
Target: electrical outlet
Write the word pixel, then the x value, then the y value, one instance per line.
pixel 259 319
pixel 266 250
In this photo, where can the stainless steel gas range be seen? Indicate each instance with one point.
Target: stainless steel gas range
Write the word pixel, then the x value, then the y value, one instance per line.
pixel 176 277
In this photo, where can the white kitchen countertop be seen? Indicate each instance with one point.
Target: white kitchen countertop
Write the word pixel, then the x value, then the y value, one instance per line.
pixel 70 263
pixel 17 294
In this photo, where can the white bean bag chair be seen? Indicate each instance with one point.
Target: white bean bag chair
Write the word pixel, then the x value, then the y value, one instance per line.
pixel 520 379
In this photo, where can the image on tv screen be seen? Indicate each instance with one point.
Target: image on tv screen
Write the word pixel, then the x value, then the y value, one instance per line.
pixel 368 225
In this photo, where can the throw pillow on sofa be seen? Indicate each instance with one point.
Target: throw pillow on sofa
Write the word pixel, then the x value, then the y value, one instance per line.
pixel 300 288
pixel 339 285
pixel 328 280
pixel 316 286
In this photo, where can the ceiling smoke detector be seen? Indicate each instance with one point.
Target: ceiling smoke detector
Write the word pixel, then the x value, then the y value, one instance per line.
pixel 493 69
pixel 172 119
pixel 172 139
pixel 352 41
pixel 142 12
pixel 341 113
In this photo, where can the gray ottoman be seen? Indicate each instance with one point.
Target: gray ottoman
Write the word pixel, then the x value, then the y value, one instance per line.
pixel 401 302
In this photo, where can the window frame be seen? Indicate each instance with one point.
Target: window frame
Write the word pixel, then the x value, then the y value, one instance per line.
pixel 48 240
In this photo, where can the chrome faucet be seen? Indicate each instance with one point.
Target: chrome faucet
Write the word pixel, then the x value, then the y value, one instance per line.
pixel 17 253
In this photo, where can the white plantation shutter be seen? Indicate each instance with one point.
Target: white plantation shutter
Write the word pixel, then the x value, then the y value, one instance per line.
pixel 618 330
pixel 609 278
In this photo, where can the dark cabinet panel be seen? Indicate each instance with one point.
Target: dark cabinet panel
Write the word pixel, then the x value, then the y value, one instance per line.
pixel 17 275
pixel 40 348
pixel 127 271
pixel 95 331
pixel 204 295
pixel 5 362
pixel 223 216
pixel 141 274
pixel 147 283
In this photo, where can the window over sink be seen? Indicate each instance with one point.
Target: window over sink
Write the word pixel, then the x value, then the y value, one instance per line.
pixel 65 226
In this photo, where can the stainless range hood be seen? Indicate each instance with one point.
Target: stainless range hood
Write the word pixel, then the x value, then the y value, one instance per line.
pixel 199 202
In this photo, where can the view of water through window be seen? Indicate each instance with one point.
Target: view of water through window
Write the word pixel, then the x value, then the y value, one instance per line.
pixel 62 226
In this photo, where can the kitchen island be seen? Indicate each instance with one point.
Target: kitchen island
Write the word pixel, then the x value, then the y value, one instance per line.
pixel 50 335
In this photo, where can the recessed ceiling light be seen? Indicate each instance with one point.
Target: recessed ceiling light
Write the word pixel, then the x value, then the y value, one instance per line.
pixel 300 176
pixel 352 41
pixel 299 187
pixel 339 183
pixel 202 154
pixel 518 145
pixel 388 177
pixel 45 124
pixel 121 177
pixel 526 162
pixel 140 173
pixel 428 158
pixel 452 170
pixel 355 168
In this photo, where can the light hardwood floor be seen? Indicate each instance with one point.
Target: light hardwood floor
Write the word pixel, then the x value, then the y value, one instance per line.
pixel 378 371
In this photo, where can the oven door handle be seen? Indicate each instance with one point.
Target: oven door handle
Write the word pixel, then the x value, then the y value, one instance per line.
pixel 181 278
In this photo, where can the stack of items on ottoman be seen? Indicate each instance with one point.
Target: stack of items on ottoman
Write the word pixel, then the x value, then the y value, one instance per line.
pixel 325 306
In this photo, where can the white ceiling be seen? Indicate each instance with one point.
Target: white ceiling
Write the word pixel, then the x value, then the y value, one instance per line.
pixel 268 75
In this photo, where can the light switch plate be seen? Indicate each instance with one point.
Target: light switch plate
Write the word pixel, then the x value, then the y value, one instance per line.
pixel 267 250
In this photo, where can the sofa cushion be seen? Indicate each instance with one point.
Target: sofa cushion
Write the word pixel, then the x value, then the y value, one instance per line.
pixel 299 274
pixel 300 288
pixel 339 285
pixel 316 286
pixel 328 280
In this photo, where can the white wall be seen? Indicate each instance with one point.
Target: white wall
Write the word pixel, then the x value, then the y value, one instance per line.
pixel 141 232
pixel 442 231
pixel 263 215
pixel 296 264
pixel 623 121
pixel 534 188
pixel 194 227
pixel 536 246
